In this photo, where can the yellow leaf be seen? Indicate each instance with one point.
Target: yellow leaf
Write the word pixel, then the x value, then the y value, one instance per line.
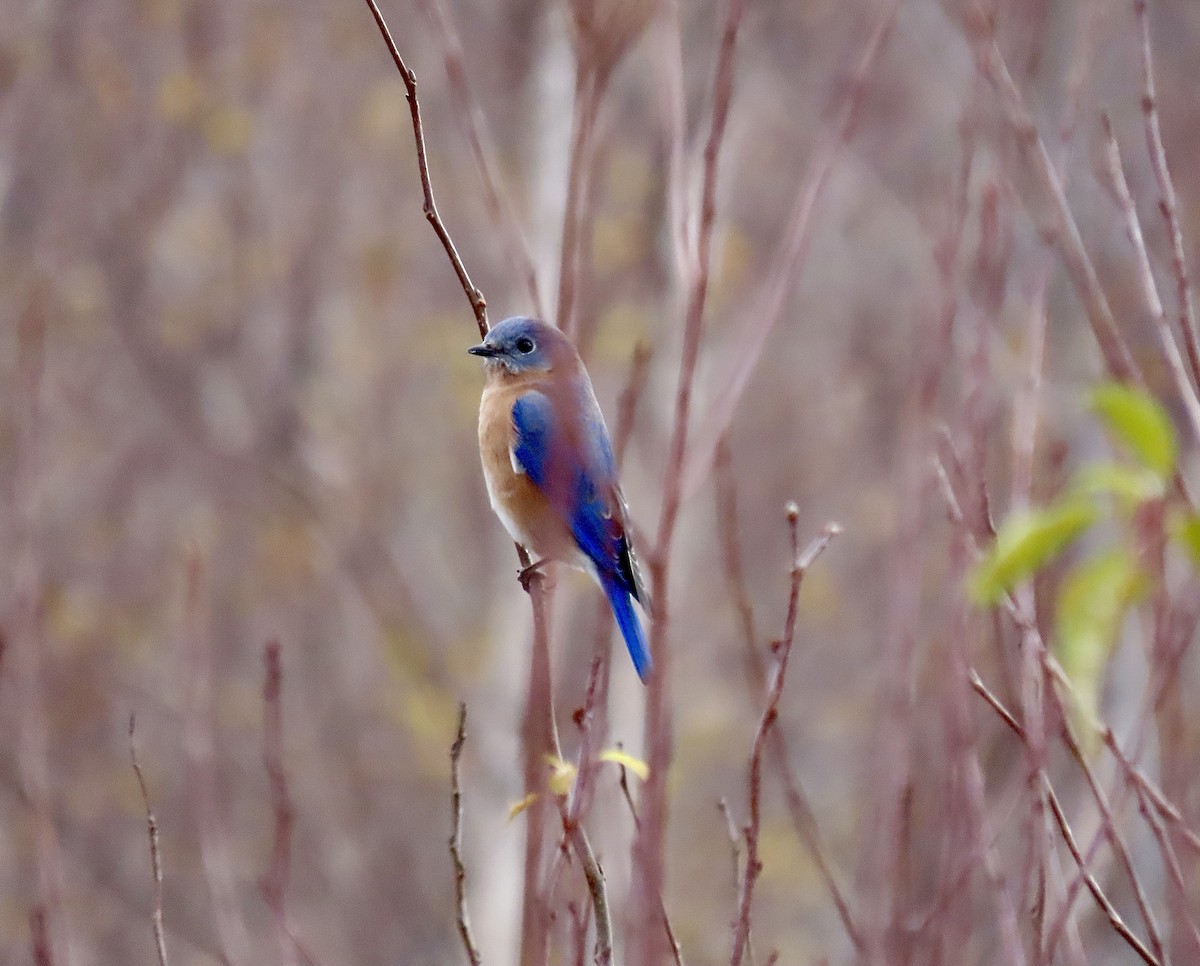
pixel 517 807
pixel 562 774
pixel 635 765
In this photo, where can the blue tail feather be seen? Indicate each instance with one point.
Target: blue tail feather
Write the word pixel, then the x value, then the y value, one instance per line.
pixel 631 628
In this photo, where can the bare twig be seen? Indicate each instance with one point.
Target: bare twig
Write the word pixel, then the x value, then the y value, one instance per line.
pixel 589 92
pixel 156 917
pixel 650 843
pixel 669 931
pixel 731 560
pixel 804 821
pixel 1068 836
pixel 39 937
pixel 1063 231
pixel 1093 886
pixel 496 198
pixel 1110 830
pixel 1154 808
pixel 753 865
pixel 456 813
pixel 1119 186
pixel 594 876
pixel 1168 205
pixel 478 303
pixel 735 840
pixel 1165 808
pixel 789 255
pixel 997 705
pixel 273 882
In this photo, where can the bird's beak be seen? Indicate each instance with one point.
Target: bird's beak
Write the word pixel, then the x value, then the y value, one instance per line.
pixel 483 349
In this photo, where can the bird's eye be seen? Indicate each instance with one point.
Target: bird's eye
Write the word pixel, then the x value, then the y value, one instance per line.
pixel 524 345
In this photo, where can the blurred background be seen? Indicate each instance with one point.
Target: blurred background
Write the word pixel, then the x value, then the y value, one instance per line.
pixel 237 407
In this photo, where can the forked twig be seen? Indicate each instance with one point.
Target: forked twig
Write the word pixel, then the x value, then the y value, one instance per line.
pixel 804 821
pixel 801 561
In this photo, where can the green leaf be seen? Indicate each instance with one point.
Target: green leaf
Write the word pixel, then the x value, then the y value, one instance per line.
pixel 1091 607
pixel 1140 423
pixel 1025 541
pixel 1187 531
pixel 1130 485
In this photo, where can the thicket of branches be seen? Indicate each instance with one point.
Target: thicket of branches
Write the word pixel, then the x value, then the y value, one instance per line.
pixel 859 263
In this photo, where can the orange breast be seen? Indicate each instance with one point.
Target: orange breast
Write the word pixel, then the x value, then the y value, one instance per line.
pixel 526 514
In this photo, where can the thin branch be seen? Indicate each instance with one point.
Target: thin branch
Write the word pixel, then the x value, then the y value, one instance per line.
pixel 589 92
pixel 1168 205
pixel 273 882
pixel 673 942
pixel 1119 186
pixel 698 290
pixel 650 843
pixel 735 841
pixel 1063 231
pixel 1154 809
pixel 1116 840
pixel 1068 836
pixel 1093 886
pixel 735 850
pixel 156 917
pixel 1160 801
pixel 1170 860
pixel 801 561
pixel 731 559
pixel 496 197
pixel 789 255
pixel 804 821
pixel 997 705
pixel 594 876
pixel 39 937
pixel 474 296
pixel 456 813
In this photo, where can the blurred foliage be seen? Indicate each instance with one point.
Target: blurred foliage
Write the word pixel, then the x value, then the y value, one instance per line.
pixel 235 405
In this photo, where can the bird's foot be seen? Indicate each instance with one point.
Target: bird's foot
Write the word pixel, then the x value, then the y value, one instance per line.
pixel 526 574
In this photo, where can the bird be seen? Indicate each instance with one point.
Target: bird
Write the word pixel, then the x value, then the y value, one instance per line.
pixel 549 467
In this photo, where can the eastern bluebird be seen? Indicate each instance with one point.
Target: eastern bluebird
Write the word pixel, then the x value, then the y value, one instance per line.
pixel 549 465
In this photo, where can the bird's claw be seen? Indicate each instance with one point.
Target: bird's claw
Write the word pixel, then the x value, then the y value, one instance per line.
pixel 526 575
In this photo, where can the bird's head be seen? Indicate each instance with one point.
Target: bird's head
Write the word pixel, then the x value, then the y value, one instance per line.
pixel 524 346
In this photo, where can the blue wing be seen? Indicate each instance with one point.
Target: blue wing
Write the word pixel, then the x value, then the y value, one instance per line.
pixel 570 460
